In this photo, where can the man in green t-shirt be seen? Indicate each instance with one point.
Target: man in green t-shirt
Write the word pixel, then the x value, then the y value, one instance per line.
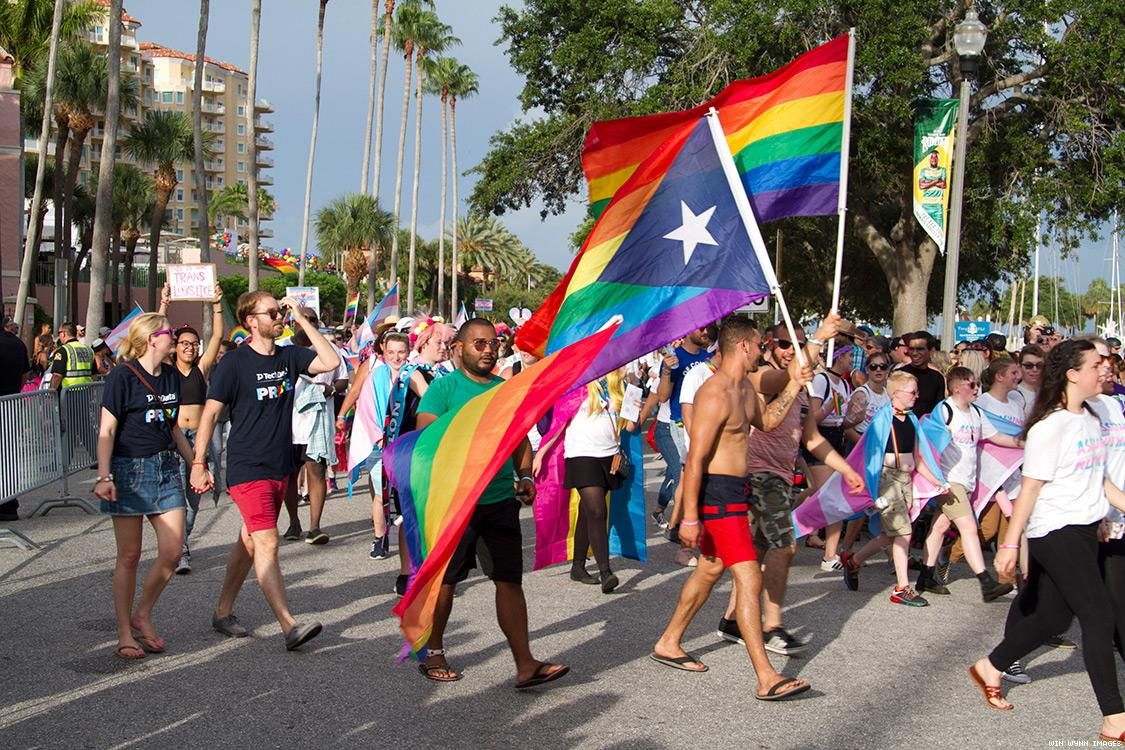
pixel 495 521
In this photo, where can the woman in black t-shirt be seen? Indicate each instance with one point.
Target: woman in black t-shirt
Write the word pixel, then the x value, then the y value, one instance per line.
pixel 139 475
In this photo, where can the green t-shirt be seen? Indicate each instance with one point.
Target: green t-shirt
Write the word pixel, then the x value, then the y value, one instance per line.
pixel 449 394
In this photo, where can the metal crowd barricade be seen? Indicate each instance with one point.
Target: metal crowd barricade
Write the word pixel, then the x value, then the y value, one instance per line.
pixel 77 426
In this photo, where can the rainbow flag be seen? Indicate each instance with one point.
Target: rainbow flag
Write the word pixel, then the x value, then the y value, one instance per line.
pixel 114 338
pixel 785 130
pixel 671 253
pixel 278 264
pixel 469 445
pixel 352 309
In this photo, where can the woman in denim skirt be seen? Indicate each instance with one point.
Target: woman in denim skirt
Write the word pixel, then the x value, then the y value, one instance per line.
pixel 139 475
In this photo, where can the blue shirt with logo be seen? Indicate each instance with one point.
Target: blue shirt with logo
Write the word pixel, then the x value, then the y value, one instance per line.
pixel 142 428
pixel 259 391
pixel 686 361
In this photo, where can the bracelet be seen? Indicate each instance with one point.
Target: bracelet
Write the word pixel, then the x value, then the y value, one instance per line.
pixel 106 478
pixel 689 523
pixel 1009 546
pixel 198 463
pixel 527 479
pixel 816 342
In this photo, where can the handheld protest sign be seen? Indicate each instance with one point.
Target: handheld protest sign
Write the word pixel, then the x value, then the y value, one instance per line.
pixel 192 282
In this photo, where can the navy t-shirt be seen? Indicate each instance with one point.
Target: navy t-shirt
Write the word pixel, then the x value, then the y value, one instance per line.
pixel 259 391
pixel 142 426
pixel 687 360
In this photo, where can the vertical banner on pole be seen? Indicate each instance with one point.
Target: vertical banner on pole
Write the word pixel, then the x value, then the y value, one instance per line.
pixel 933 159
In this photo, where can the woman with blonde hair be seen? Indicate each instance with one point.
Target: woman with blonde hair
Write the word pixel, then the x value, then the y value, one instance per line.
pixel 139 475
pixel 973 360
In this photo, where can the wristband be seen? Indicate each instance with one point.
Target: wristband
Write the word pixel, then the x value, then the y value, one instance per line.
pixel 198 463
pixel 689 523
pixel 106 478
pixel 527 479
pixel 816 342
pixel 1009 546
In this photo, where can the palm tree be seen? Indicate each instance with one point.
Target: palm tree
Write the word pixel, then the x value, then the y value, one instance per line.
pixel 312 145
pixel 103 205
pixel 27 28
pixel 234 200
pixel 462 84
pixel 351 226
pixel 132 197
pixel 138 207
pixel 162 139
pixel 84 206
pixel 438 74
pixel 488 243
pixel 31 242
pixel 431 35
pixel 30 167
pixel 199 175
pixel 252 175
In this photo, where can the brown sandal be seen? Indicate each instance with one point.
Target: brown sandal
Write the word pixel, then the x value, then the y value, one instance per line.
pixel 989 692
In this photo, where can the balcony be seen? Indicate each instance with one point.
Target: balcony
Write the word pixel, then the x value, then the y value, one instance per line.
pixel 264 143
pixel 263 126
pixel 265 178
pixel 213 166
pixel 264 161
pixel 263 105
pixel 214 107
pixel 216 126
pixel 265 232
pixel 214 87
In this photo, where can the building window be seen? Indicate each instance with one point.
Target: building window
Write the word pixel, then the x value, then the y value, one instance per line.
pixel 241 167
pixel 219 162
pixel 180 195
pixel 240 89
pixel 148 97
pixel 242 182
pixel 220 180
pixel 179 97
pixel 99 34
pixel 117 152
pixel 241 111
pixel 179 214
pixel 179 175
pixel 241 127
pixel 219 145
pixel 167 97
pixel 242 148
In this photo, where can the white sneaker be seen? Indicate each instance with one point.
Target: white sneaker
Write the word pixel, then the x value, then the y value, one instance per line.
pixel 686 558
pixel 831 566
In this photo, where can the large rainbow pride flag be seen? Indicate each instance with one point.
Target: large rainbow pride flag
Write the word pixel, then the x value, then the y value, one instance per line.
pixel 441 470
pixel 785 130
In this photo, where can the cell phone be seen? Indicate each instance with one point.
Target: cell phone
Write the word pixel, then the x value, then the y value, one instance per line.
pixel 667 349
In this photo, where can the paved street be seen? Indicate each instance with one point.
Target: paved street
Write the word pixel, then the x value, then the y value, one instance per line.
pixel 883 676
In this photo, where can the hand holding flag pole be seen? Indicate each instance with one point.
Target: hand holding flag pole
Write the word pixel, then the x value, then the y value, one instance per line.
pixel 751 224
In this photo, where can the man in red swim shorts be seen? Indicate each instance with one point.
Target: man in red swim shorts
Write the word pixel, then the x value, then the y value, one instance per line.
pixel 715 498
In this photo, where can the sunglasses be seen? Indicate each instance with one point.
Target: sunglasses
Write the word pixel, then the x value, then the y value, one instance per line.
pixel 162 331
pixel 972 384
pixel 783 344
pixel 877 368
pixel 275 314
pixel 481 344
pixel 1032 365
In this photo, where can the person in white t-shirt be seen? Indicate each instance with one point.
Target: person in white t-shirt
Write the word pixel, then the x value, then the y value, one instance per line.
pixel 1032 360
pixel 1064 496
pixel 967 427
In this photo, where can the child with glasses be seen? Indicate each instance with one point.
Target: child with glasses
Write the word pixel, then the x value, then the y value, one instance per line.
pixel 967 427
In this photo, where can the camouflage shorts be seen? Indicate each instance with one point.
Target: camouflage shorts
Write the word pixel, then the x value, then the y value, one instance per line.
pixel 771 508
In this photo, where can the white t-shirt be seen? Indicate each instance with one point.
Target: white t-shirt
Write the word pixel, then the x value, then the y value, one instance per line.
pixel 1068 452
pixel 1029 397
pixel 833 393
pixel 303 422
pixel 874 402
pixel 1109 414
pixel 591 433
pixel 1012 411
pixel 693 380
pixel 967 428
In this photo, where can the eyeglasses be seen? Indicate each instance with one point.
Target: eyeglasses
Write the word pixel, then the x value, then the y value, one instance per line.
pixel 877 368
pixel 972 384
pixel 162 331
pixel 783 344
pixel 274 314
pixel 481 344
pixel 188 344
pixel 1032 365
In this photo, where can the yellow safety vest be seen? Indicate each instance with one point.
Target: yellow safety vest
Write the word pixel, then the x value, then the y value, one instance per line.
pixel 79 364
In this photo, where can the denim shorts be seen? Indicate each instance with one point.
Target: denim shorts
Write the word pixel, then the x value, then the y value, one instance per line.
pixel 146 486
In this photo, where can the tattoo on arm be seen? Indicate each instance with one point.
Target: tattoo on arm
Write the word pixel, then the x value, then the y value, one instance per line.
pixel 779 407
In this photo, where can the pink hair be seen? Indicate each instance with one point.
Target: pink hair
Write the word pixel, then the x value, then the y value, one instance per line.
pixel 427 332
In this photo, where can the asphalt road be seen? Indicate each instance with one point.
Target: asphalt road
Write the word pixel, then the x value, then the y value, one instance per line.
pixel 883 676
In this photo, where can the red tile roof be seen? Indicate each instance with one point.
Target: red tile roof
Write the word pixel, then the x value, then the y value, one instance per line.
pixel 159 50
pixel 125 17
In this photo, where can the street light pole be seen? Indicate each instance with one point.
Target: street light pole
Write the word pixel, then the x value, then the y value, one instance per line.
pixel 968 40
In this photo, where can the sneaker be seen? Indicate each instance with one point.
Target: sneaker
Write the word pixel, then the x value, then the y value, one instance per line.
pixel 316 536
pixel 686 558
pixel 300 634
pixel 928 582
pixel 851 571
pixel 229 626
pixel 292 534
pixel 672 534
pixel 908 596
pixel 729 631
pixel 831 566
pixel 659 519
pixel 400 585
pixel 183 567
pixel 941 573
pixel 378 548
pixel 781 641
pixel 991 589
pixel 1016 674
pixel 1057 641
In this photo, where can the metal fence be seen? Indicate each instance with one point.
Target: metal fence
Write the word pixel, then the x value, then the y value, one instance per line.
pixel 43 440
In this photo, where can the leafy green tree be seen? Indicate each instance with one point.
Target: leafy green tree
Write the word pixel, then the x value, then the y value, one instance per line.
pixel 1045 121
pixel 25 28
pixel 332 291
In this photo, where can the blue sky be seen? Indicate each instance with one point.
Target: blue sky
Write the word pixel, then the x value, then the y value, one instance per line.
pixel 286 77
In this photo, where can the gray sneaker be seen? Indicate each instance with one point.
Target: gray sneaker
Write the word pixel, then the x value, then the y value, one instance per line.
pixel 300 634
pixel 1016 674
pixel 184 565
pixel 229 626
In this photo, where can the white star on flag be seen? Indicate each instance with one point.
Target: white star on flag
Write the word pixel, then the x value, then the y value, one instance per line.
pixel 693 231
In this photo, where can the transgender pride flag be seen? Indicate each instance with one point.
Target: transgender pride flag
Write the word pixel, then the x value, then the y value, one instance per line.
pixel 382 311
pixel 114 338
pixel 996 464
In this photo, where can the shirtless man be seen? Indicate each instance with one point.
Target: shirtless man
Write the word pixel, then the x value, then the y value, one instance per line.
pixel 715 493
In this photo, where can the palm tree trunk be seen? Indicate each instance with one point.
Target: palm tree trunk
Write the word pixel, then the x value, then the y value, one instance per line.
pixel 454 266
pixel 72 288
pixel 130 257
pixel 312 146
pixel 31 242
pixel 198 167
pixel 73 160
pixel 115 279
pixel 441 219
pixel 414 194
pixel 388 14
pixel 409 58
pixel 369 131
pixel 62 249
pixel 252 174
pixel 162 195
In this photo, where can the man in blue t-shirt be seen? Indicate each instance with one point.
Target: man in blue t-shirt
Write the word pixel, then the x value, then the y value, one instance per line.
pixel 495 521
pixel 256 382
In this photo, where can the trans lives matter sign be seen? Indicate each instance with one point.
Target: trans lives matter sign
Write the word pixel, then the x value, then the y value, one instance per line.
pixel 192 281
pixel 305 296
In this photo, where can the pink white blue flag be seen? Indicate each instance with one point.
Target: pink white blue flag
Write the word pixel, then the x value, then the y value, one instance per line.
pixel 114 338
pixel 382 311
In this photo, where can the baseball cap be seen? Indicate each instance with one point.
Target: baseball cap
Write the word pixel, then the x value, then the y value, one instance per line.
pixel 1038 321
pixel 404 324
pixel 996 342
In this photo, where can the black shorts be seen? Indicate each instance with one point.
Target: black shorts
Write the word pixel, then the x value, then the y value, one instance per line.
pixel 300 458
pixel 588 471
pixel 835 437
pixel 497 525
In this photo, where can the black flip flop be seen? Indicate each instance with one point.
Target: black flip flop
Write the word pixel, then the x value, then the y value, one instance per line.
pixel 540 676
pixel 428 670
pixel 773 695
pixel 678 662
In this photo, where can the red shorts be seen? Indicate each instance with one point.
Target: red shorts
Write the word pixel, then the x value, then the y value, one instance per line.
pixel 259 502
pixel 724 507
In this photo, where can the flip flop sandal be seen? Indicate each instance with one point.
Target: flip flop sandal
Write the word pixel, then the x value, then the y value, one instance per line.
pixel 428 670
pixel 540 676
pixel 989 692
pixel 148 645
pixel 678 662
pixel 773 695
pixel 120 653
pixel 1112 740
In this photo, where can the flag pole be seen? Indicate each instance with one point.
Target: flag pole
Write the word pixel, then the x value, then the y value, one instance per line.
pixel 842 199
pixel 751 224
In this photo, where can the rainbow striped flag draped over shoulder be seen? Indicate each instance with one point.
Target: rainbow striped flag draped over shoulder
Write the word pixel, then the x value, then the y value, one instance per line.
pixel 785 130
pixel 441 471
